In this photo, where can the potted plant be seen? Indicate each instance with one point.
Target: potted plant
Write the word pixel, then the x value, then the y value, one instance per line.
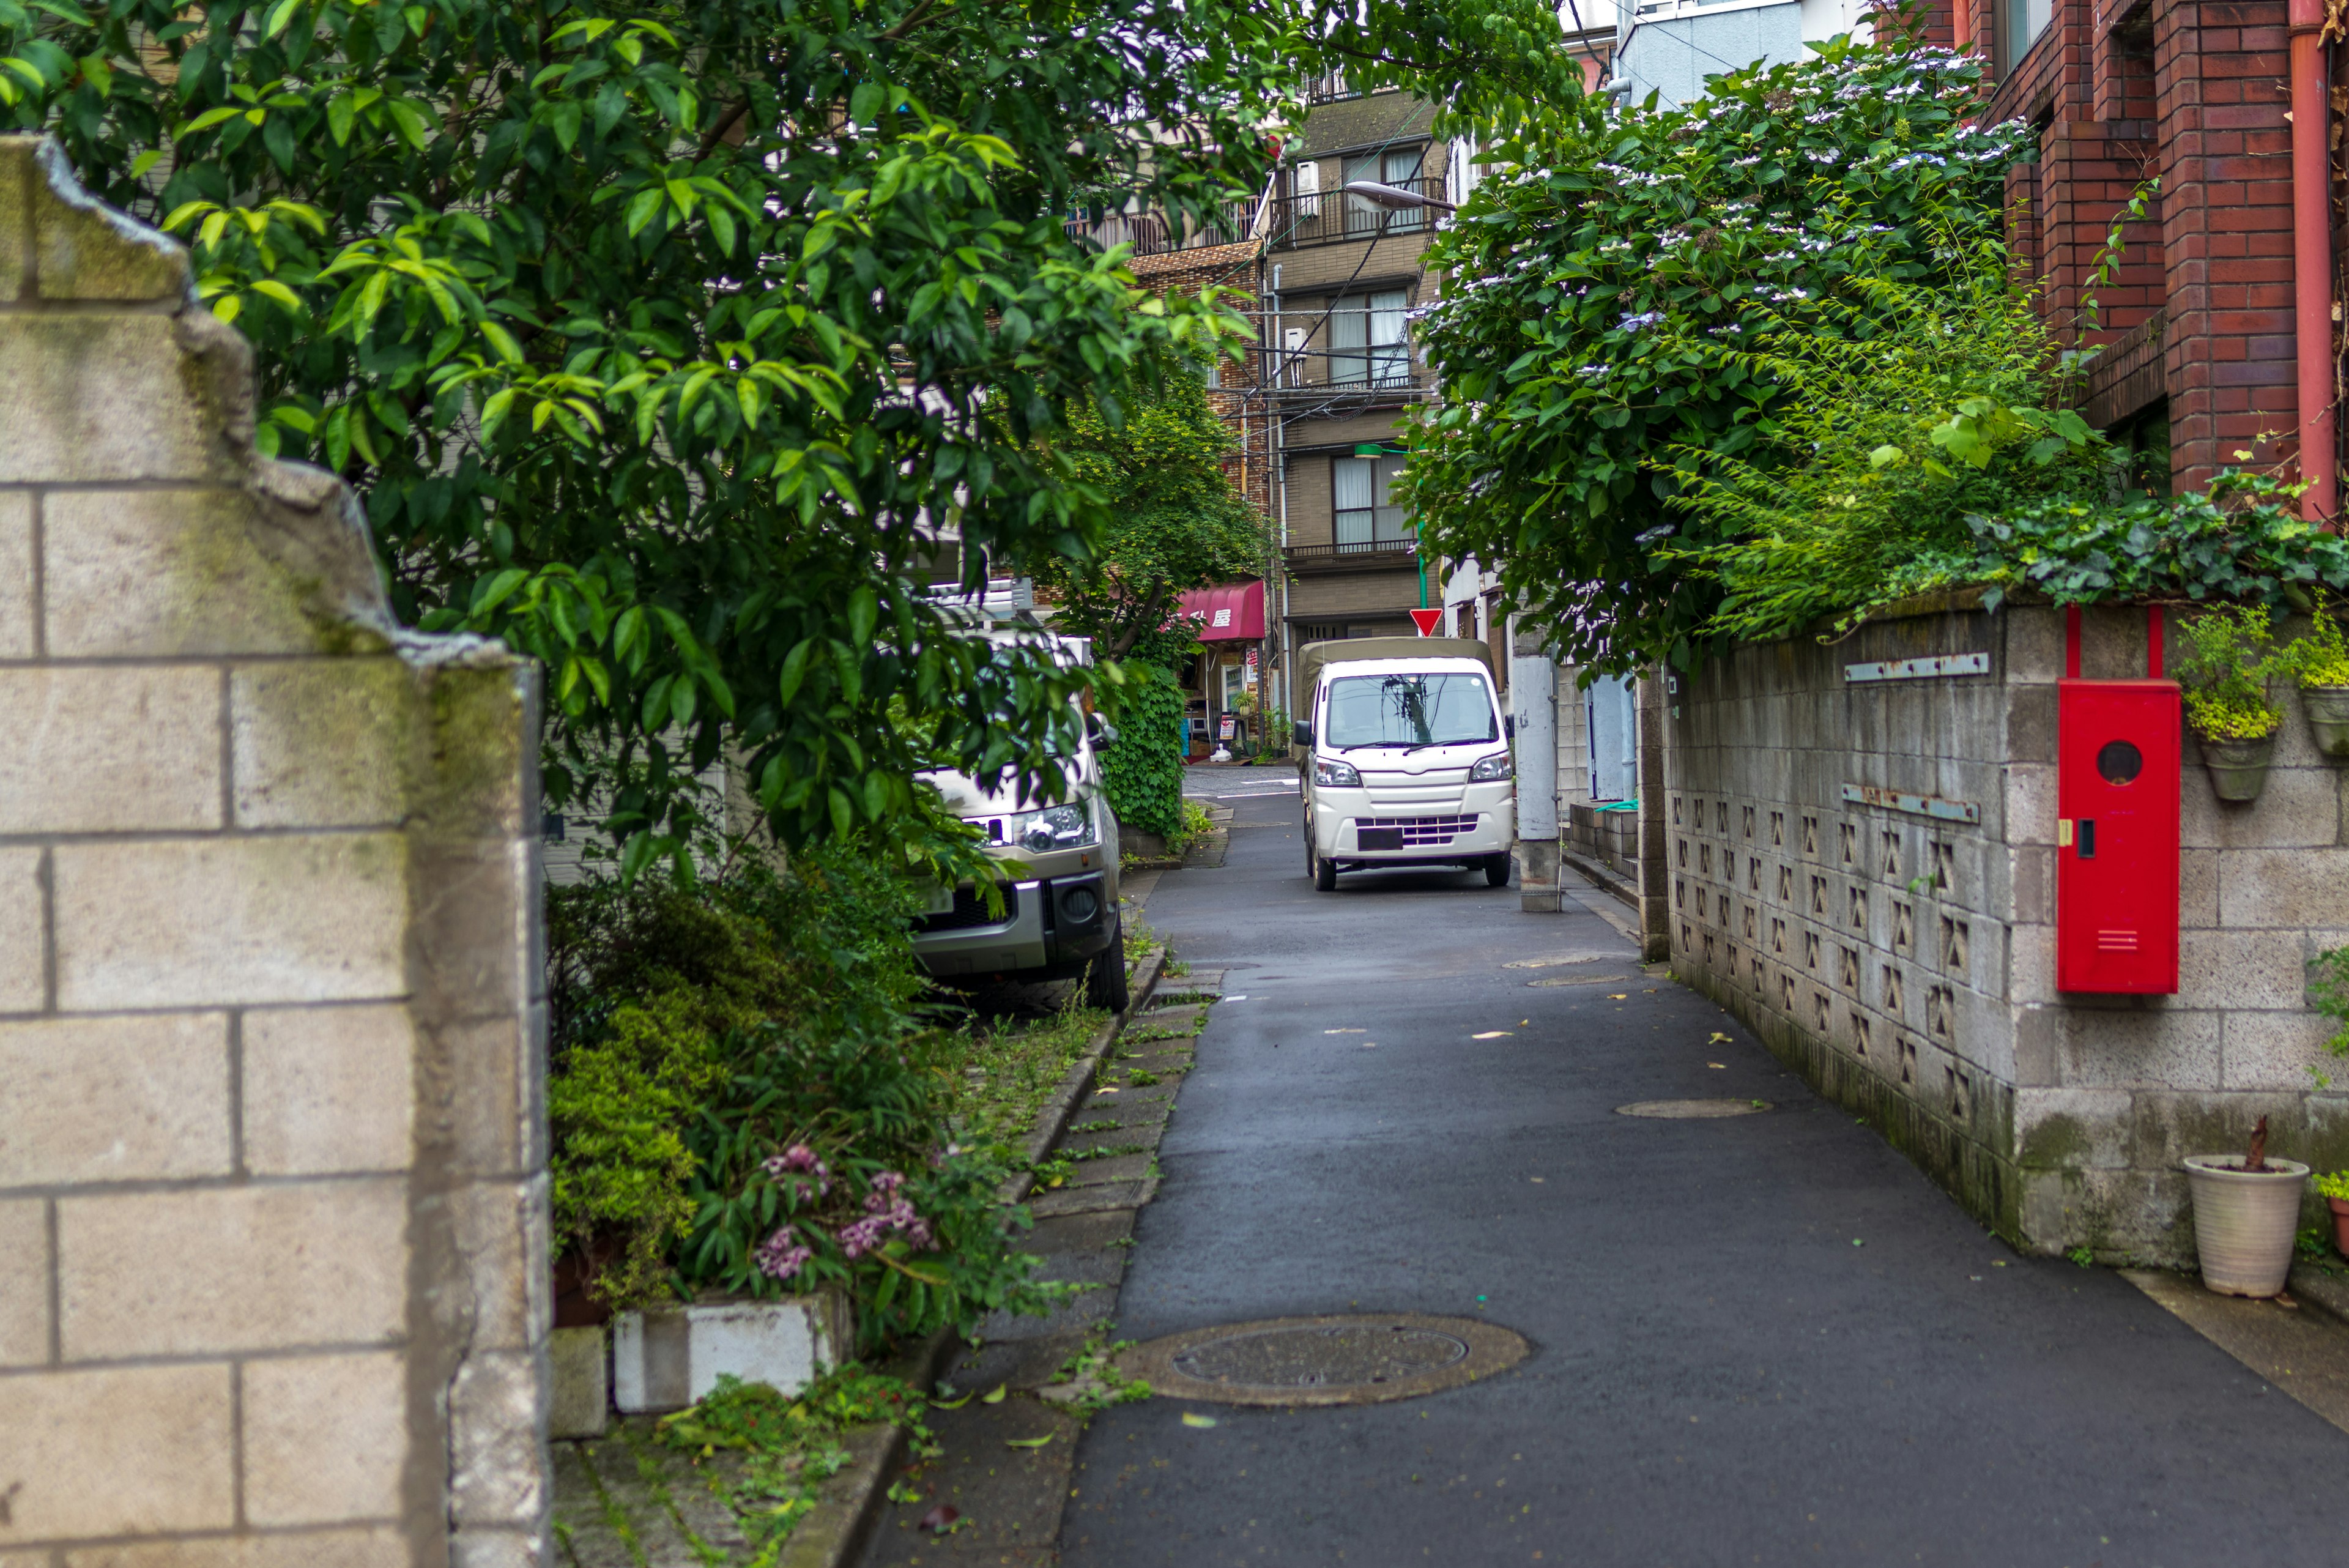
pixel 2333 1188
pixel 2225 666
pixel 2246 1216
pixel 2321 662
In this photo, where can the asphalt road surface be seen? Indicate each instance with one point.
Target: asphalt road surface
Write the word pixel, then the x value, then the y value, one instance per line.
pixel 1231 783
pixel 1759 1340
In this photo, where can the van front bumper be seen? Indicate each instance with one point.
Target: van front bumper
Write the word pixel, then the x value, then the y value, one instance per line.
pixel 1049 929
pixel 1483 823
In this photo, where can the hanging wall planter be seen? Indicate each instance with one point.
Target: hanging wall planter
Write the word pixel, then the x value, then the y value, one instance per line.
pixel 2225 666
pixel 2328 717
pixel 2238 768
pixel 2321 662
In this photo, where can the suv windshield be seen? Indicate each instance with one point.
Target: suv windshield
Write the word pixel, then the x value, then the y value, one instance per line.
pixel 1408 710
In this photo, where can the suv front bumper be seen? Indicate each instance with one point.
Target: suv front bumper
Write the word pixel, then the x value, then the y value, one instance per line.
pixel 1050 929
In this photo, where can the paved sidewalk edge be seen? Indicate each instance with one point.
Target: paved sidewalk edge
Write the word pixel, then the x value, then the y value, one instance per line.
pixel 1604 878
pixel 837 1530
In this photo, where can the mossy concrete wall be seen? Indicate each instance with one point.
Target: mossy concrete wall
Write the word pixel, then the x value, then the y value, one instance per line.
pixel 273 1202
pixel 1906 964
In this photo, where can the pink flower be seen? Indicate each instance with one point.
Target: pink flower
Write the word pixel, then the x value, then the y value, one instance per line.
pixel 781 1256
pixel 799 1158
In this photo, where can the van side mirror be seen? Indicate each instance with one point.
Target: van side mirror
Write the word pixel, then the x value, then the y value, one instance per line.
pixel 1304 734
pixel 1101 732
pixel 1509 726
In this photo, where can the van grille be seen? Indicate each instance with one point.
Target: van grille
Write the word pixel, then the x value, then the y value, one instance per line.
pixel 971 909
pixel 1419 832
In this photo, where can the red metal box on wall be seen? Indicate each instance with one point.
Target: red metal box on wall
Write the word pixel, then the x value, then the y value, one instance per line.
pixel 2116 788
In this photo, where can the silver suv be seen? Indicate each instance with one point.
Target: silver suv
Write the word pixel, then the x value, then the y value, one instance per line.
pixel 1060 917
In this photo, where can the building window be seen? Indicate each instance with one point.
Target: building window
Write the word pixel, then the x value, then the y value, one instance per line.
pixel 1398 167
pixel 1369 343
pixel 2022 22
pixel 1367 516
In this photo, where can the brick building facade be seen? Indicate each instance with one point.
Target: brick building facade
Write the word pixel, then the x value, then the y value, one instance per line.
pixel 2200 351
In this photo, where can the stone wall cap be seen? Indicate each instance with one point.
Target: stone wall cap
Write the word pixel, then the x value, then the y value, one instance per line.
pixel 82 248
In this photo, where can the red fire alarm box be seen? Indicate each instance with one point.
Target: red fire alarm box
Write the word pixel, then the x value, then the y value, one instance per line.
pixel 2116 765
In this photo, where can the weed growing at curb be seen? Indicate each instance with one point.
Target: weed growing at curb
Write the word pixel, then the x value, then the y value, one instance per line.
pixel 788 1448
pixel 1091 1378
pixel 1109 1151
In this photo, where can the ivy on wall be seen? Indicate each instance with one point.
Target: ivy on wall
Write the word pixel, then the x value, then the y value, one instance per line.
pixel 1143 771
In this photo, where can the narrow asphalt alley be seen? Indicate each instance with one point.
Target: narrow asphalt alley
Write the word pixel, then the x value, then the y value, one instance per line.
pixel 1764 1339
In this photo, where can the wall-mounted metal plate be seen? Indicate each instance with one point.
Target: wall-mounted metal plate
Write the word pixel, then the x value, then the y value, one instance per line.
pixel 1931 806
pixel 1919 668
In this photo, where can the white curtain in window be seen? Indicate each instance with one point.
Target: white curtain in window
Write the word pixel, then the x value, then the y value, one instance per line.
pixel 1390 358
pixel 1354 482
pixel 1309 189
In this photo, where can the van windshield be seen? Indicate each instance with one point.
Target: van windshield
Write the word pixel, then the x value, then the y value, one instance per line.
pixel 1408 710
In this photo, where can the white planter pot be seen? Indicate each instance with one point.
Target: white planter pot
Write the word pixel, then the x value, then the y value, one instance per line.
pixel 670 1357
pixel 2244 1222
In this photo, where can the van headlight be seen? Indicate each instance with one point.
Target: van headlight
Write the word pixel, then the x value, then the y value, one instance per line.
pixel 1054 828
pixel 1337 775
pixel 1487 769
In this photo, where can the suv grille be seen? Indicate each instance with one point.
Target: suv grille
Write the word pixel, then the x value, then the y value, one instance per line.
pixel 971 909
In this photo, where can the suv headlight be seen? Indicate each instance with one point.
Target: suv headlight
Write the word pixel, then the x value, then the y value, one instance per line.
pixel 1054 828
pixel 1496 766
pixel 1338 774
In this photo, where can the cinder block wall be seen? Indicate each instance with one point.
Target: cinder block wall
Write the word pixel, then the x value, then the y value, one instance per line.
pixel 1906 965
pixel 272 1203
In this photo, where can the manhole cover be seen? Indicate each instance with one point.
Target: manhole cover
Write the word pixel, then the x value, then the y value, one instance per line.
pixel 1345 1360
pixel 1581 980
pixel 1692 1110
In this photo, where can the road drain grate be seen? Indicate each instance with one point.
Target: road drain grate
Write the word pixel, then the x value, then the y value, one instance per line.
pixel 1344 1360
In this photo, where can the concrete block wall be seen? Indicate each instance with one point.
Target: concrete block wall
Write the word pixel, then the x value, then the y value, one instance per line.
pixel 273 1202
pixel 1906 963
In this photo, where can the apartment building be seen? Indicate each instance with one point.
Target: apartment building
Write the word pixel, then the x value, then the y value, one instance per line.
pixel 1342 277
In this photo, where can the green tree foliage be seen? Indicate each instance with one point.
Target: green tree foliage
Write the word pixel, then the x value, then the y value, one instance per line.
pixel 658 337
pixel 1885 441
pixel 1615 288
pixel 1175 521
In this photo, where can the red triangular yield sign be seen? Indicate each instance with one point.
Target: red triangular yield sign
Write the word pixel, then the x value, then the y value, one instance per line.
pixel 1427 621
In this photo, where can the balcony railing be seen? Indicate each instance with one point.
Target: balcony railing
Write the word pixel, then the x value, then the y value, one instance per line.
pixel 1155 234
pixel 1353 555
pixel 1332 217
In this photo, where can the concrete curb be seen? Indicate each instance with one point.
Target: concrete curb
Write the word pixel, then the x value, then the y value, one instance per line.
pixel 2327 1292
pixel 836 1532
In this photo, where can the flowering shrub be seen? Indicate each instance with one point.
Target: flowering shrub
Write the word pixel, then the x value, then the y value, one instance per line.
pixel 1615 281
pixel 743 1097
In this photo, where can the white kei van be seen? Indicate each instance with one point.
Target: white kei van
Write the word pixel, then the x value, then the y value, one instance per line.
pixel 1405 758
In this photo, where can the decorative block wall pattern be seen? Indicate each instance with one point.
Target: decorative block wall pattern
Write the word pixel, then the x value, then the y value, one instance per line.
pixel 273 1200
pixel 1906 964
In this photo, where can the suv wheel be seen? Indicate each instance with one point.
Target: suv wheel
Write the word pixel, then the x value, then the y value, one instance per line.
pixel 1105 985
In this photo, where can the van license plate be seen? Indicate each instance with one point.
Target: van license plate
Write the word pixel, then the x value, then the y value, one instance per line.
pixel 1378 837
pixel 941 900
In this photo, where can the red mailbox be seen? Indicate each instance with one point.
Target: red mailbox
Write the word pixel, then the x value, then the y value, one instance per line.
pixel 2117 837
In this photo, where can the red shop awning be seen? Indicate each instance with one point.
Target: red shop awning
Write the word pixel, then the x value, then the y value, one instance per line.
pixel 1233 612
